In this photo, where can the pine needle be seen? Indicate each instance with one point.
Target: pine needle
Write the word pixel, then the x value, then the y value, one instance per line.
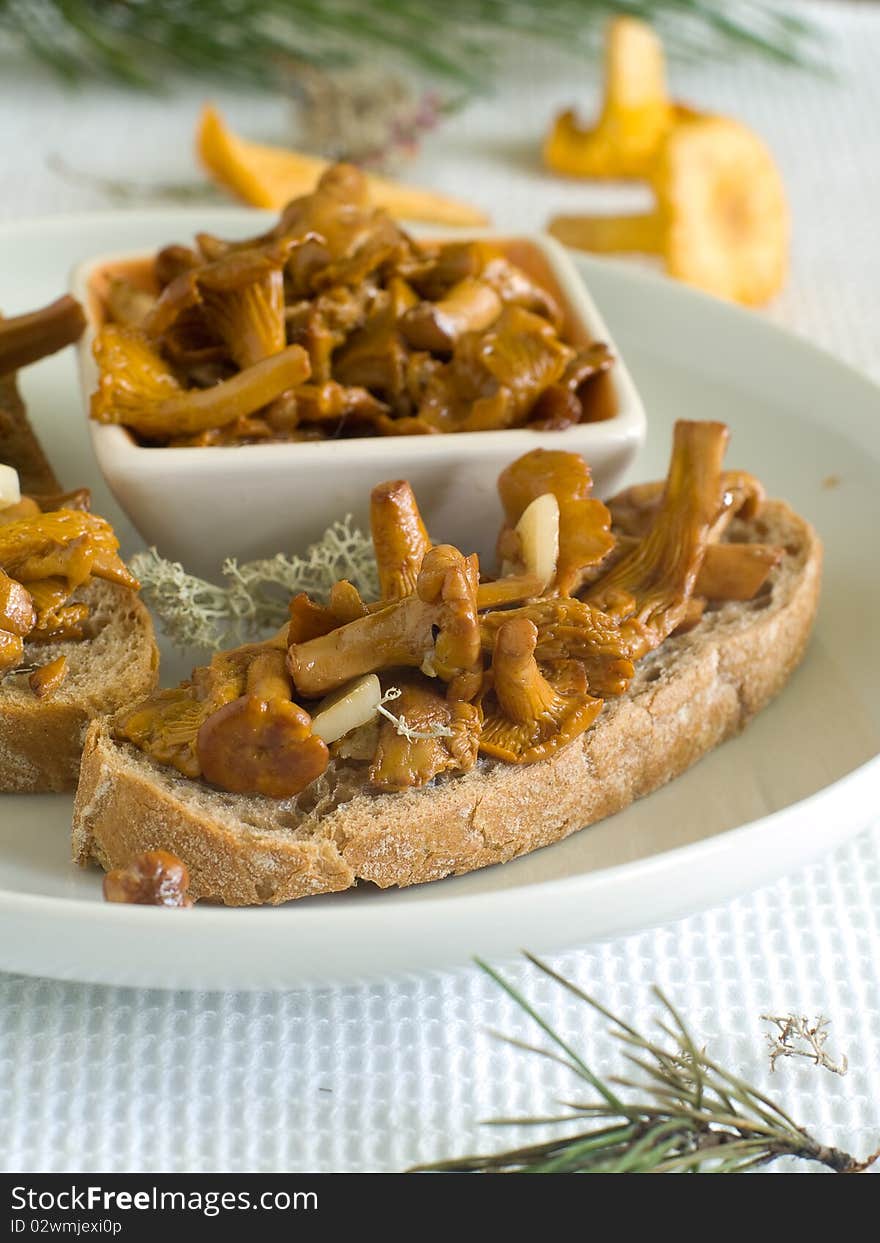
pixel 685 1114
pixel 137 43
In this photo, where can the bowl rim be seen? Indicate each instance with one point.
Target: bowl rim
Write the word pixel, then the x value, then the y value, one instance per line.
pixel 112 443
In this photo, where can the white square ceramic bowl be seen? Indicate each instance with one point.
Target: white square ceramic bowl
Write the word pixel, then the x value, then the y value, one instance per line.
pixel 201 505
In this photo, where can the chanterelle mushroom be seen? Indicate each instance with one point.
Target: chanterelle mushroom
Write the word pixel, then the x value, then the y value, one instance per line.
pixel 636 111
pixel 729 571
pixel 261 743
pixel 308 619
pixel 165 725
pixel 240 295
pixel 26 338
pixel 432 733
pixel 469 306
pixel 532 554
pixel 584 523
pixel 721 221
pixel 139 389
pixel 435 629
pixel 67 544
pixel 528 715
pixel 653 583
pixel 400 540
pixel 574 630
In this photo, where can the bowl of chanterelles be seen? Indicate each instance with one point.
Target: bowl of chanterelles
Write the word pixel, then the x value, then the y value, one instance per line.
pixel 244 395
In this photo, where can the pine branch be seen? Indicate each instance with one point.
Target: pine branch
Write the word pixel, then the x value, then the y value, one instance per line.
pixel 139 43
pixel 684 1113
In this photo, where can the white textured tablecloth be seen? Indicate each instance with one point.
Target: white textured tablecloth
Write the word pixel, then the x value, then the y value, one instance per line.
pixel 379 1077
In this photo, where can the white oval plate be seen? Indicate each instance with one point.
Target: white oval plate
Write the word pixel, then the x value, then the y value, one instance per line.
pixel 800 780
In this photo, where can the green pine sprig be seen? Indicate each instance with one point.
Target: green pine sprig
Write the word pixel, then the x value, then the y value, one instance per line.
pixel 141 42
pixel 679 1111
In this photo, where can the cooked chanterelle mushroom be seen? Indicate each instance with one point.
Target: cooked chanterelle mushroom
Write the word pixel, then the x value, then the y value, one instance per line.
pixel 532 713
pixel 399 538
pixel 435 629
pixel 241 294
pixel 413 687
pixel 402 336
pixel 584 523
pixel 140 390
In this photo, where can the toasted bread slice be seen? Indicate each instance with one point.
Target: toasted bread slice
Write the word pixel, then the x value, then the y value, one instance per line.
pixel 698 689
pixel 41 740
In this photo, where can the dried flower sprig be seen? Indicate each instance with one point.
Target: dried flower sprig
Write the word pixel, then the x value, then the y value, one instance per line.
pixel 812 1034
pixel 401 724
pixel 364 114
pixel 684 1114
pixel 200 614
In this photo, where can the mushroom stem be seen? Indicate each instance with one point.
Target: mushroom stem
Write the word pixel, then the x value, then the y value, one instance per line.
pixel 512 589
pixel 397 635
pixel 26 338
pixel 608 235
pixel 267 677
pixel 139 390
pixel 521 689
pixel 636 111
pixel 654 581
pixel 399 538
pixel 435 629
pixel 470 306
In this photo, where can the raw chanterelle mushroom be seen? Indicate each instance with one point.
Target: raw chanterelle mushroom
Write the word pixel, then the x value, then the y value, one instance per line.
pixel 636 111
pixel 721 220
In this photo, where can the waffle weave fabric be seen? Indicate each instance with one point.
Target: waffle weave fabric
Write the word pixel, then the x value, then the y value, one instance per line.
pixel 382 1076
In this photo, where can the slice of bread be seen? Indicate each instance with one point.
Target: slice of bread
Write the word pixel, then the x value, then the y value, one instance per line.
pixel 41 740
pixel 698 689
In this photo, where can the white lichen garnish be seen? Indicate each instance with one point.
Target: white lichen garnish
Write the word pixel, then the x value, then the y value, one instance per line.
pixel 200 614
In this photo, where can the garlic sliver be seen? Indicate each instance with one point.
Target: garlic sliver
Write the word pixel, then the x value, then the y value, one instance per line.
pixel 10 492
pixel 538 530
pixel 347 709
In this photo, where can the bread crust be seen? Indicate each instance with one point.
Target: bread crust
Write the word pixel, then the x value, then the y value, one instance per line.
pixel 697 690
pixel 41 741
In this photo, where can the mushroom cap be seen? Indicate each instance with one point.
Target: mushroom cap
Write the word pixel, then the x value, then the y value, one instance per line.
pixel 563 708
pixel 259 746
pixel 434 733
pixel 584 523
pixel 570 629
pixel 724 208
pixel 152 878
